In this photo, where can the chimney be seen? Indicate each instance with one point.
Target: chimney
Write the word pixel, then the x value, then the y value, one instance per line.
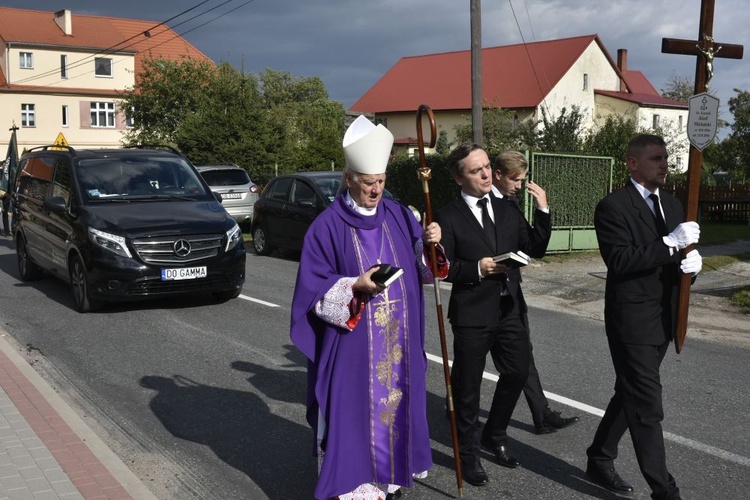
pixel 622 65
pixel 64 20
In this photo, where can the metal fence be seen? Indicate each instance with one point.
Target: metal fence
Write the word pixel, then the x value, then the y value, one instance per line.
pixel 574 185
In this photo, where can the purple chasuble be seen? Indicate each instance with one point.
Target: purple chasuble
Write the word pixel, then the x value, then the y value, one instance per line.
pixel 368 383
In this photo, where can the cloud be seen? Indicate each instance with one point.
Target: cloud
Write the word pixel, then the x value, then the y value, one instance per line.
pixel 351 43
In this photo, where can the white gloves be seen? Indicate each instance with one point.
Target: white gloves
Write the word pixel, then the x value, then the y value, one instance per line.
pixel 684 235
pixel 692 263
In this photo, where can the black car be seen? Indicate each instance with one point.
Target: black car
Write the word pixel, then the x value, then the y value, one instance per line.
pixel 287 206
pixel 123 224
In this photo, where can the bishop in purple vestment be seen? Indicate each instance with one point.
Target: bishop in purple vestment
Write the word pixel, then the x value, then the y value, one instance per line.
pixel 364 342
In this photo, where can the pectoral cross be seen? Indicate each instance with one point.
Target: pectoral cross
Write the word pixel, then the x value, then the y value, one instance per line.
pixel 706 50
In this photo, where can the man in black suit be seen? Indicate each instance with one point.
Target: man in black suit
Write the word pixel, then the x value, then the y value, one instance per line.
pixel 486 308
pixel 510 170
pixel 640 233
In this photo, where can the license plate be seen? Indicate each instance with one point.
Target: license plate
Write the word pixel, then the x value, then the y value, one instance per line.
pixel 231 196
pixel 184 273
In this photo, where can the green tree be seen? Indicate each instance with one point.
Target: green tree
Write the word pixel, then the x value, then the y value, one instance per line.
pixel 561 134
pixel 166 92
pixel 678 88
pixel 498 132
pixel 305 126
pixel 739 106
pixel 442 146
pixel 611 139
pixel 227 126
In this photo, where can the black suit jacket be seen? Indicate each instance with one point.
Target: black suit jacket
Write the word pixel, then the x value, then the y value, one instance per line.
pixel 475 302
pixel 640 300
pixel 540 233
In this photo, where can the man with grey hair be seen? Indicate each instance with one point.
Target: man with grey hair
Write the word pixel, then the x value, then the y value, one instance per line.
pixel 363 337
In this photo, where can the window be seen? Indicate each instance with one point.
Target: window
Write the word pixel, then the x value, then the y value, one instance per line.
pixel 129 120
pixel 303 194
pixel 27 60
pixel 585 81
pixel 63 66
pixel 102 114
pixel 679 122
pixel 280 189
pixel 61 181
pixel 381 121
pixel 103 66
pixel 28 115
pixel 65 115
pixel 655 124
pixel 679 163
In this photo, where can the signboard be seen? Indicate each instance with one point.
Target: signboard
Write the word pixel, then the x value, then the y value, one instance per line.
pixel 703 119
pixel 60 141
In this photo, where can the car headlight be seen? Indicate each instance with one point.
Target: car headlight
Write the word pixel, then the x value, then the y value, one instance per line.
pixel 111 242
pixel 234 237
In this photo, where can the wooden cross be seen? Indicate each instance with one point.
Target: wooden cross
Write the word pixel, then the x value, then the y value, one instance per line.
pixel 706 50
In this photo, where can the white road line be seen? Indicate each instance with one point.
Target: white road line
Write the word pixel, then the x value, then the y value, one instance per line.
pixel 263 302
pixel 690 443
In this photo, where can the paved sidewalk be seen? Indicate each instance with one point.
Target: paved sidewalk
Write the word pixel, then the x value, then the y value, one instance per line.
pixel 47 451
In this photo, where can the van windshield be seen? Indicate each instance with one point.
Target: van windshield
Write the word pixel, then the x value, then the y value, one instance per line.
pixel 137 176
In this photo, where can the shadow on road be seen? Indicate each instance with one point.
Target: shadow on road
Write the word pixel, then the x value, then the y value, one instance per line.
pixel 239 427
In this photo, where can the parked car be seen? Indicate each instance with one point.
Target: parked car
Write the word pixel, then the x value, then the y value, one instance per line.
pixel 238 192
pixel 123 224
pixel 288 205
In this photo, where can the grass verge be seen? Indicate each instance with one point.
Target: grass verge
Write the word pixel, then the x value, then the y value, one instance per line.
pixel 741 299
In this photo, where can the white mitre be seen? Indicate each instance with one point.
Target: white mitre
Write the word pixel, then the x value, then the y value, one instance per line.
pixel 367 148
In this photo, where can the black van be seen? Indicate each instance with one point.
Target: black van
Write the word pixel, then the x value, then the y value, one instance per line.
pixel 123 224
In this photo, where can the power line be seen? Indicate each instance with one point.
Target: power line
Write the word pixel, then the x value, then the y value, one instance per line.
pixel 114 48
pixel 179 35
pixel 528 54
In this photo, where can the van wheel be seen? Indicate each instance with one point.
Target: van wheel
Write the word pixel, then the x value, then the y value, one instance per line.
pixel 26 267
pixel 260 242
pixel 80 288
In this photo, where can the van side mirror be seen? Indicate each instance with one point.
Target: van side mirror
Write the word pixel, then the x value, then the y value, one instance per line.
pixel 55 204
pixel 217 196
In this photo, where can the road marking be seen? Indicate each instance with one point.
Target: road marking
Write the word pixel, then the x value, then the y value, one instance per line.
pixel 262 302
pixel 690 443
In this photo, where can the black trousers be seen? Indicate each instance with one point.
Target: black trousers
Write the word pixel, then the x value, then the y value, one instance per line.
pixel 637 406
pixel 534 394
pixel 508 344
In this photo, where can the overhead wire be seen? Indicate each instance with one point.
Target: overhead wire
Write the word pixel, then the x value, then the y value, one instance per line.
pixel 110 50
pixel 117 47
pixel 531 59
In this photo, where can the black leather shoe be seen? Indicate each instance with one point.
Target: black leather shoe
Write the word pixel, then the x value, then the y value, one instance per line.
pixel 502 455
pixel 393 496
pixel 554 421
pixel 608 478
pixel 474 473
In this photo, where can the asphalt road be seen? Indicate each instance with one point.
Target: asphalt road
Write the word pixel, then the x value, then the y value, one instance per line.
pixel 206 400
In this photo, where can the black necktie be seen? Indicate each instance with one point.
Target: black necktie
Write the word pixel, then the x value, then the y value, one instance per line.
pixel 661 226
pixel 487 224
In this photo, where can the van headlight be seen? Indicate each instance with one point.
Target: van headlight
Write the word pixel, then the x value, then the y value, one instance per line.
pixel 234 237
pixel 112 242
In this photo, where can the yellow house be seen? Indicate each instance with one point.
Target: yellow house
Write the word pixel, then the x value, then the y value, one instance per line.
pixel 62 73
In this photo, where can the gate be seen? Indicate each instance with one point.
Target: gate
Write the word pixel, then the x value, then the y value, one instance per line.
pixel 574 185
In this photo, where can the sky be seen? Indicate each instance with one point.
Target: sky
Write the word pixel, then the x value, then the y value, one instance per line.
pixel 350 44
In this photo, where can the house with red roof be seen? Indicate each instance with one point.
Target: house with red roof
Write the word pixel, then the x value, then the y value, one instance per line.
pixel 64 73
pixel 527 79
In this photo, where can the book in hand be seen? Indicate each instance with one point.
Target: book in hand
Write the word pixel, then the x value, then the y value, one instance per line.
pixel 386 275
pixel 512 259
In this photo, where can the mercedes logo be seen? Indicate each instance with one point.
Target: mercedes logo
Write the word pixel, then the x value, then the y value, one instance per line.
pixel 181 248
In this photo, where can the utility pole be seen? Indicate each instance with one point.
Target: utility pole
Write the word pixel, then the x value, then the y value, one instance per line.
pixel 476 71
